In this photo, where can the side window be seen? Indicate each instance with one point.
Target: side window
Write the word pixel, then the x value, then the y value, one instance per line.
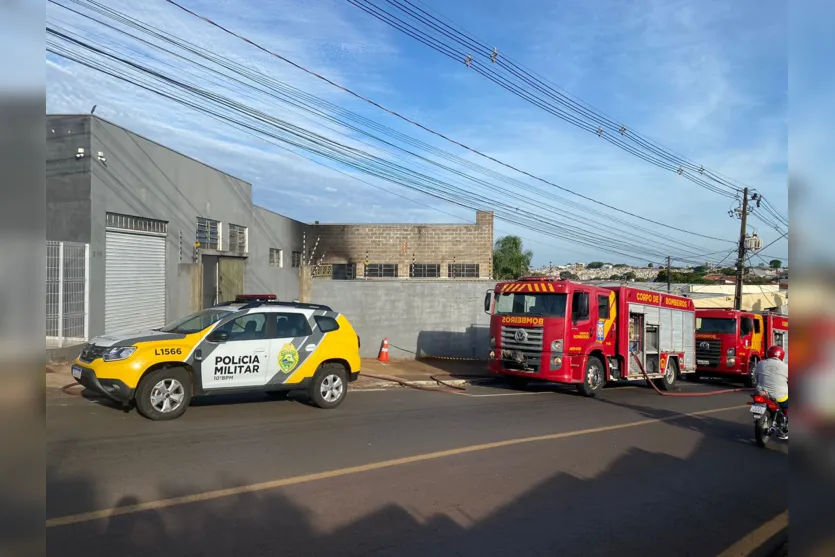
pixel 580 307
pixel 290 325
pixel 757 326
pixel 746 326
pixel 252 326
pixel 326 324
pixel 603 307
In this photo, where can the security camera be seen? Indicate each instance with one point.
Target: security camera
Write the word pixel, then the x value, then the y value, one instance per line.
pixel 80 153
pixel 101 157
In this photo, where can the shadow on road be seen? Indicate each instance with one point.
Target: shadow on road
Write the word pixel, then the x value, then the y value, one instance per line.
pixel 642 503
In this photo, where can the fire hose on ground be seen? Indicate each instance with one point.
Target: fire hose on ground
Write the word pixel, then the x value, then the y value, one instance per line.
pixel 660 392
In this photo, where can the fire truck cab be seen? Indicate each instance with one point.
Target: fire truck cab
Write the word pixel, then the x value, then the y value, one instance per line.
pixel 732 342
pixel 585 335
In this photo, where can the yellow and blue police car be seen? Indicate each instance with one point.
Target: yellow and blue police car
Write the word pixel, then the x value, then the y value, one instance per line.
pixel 255 343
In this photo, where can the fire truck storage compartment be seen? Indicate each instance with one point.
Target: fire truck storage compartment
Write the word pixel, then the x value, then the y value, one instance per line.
pixel 667 331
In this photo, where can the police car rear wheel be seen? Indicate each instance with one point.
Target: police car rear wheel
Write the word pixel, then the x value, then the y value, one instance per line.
pixel 164 394
pixel 329 386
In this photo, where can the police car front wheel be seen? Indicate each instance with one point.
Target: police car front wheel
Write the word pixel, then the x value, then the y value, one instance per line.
pixel 329 386
pixel 164 394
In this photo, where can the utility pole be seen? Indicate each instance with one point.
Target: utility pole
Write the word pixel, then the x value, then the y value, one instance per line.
pixel 669 278
pixel 740 259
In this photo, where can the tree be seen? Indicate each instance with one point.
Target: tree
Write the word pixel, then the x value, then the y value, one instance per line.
pixel 629 275
pixel 775 263
pixel 614 277
pixel 649 265
pixel 701 269
pixel 568 275
pixel 510 261
pixel 595 265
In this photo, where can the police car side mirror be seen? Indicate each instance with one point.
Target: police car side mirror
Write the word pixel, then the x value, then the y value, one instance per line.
pixel 218 336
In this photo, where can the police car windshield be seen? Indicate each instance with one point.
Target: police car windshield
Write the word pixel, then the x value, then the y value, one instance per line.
pixel 195 322
pixel 547 305
pixel 716 325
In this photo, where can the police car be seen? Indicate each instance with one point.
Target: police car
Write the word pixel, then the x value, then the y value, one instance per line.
pixel 255 343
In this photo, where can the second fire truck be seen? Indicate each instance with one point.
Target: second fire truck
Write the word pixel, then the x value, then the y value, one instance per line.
pixel 584 335
pixel 730 343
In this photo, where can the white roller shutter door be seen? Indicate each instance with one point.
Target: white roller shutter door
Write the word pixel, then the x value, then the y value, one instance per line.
pixel 134 281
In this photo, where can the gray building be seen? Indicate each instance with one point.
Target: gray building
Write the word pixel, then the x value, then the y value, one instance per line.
pixel 167 234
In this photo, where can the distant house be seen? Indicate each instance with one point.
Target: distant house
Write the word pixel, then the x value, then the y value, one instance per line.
pixel 718 279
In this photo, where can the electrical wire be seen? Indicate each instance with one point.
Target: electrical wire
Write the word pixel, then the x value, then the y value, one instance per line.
pixel 394 177
pixel 423 127
pixel 619 134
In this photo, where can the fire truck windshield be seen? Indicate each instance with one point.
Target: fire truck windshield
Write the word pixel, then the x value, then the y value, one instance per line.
pixel 528 303
pixel 716 325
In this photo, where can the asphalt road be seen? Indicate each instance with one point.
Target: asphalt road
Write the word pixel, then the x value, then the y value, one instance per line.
pixel 412 473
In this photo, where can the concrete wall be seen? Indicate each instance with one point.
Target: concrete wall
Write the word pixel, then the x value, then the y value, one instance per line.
pixel 430 318
pixel 271 230
pixel 404 244
pixel 68 200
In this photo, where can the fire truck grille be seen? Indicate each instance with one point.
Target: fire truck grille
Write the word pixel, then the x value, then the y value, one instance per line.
pixel 708 351
pixel 527 344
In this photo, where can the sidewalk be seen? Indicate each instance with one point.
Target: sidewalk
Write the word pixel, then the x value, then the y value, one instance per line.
pixel 373 375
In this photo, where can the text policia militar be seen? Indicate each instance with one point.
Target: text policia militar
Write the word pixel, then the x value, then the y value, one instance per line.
pixel 226 367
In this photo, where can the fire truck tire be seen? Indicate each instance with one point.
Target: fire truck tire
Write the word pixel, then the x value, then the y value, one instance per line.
pixel 751 378
pixel 593 379
pixel 667 382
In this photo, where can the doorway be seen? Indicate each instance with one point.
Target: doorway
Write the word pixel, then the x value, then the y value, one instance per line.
pixel 210 276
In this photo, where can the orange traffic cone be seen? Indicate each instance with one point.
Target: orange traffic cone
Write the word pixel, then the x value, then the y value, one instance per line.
pixel 384 351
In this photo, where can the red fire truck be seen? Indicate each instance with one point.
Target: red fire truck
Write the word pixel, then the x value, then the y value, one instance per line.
pixel 585 335
pixel 732 342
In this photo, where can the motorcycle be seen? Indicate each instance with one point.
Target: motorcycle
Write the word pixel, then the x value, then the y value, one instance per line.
pixel 769 418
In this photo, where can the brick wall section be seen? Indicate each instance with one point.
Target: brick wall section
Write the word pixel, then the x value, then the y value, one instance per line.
pixel 404 244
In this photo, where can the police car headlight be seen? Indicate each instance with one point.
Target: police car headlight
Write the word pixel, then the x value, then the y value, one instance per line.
pixel 118 353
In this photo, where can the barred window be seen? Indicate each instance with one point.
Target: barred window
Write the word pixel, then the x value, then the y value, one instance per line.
pixel 297 259
pixel 344 271
pixel 463 270
pixel 381 270
pixel 208 233
pixel 276 257
pixel 140 224
pixel 425 270
pixel 237 239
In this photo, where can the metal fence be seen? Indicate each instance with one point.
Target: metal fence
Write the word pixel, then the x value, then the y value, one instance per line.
pixel 67 293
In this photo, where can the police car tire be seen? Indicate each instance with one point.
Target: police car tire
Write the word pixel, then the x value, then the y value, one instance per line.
pixel 142 397
pixel 315 390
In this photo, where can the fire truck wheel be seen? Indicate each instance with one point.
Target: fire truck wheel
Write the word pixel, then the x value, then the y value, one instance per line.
pixel 667 382
pixel 594 378
pixel 751 378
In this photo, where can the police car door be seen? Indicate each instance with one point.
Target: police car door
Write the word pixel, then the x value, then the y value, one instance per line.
pixel 292 344
pixel 241 360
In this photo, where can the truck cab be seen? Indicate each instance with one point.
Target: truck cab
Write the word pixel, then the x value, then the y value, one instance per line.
pixel 729 343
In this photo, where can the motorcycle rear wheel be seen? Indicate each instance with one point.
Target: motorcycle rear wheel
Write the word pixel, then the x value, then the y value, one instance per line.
pixel 761 427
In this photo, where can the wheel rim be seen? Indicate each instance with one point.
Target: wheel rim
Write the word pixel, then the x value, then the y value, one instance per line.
pixel 331 388
pixel 167 395
pixel 670 376
pixel 752 372
pixel 595 376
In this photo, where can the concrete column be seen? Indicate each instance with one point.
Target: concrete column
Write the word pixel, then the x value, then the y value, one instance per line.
pixel 305 283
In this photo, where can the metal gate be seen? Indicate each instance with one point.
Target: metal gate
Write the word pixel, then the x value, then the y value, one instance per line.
pixel 134 280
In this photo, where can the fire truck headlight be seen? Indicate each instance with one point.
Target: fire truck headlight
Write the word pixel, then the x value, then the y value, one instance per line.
pixel 557 362
pixel 731 352
pixel 492 341
pixel 492 355
pixel 556 346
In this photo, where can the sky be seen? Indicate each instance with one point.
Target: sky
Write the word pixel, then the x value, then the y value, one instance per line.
pixel 706 79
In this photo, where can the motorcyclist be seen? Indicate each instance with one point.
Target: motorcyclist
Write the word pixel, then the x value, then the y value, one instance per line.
pixel 773 378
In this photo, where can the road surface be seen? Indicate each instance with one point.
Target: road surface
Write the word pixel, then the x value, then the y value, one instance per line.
pixel 412 473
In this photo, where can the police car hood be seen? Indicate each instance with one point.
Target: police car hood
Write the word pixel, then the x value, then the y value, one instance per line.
pixel 127 338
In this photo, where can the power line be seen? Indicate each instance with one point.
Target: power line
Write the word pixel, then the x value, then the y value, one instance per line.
pixel 425 128
pixel 304 105
pixel 569 110
pixel 400 176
